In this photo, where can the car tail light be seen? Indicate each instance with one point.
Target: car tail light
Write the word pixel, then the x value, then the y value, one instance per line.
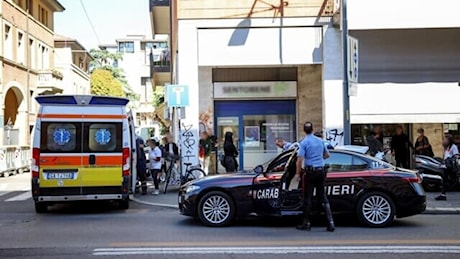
pixel 416 179
pixel 126 162
pixel 35 168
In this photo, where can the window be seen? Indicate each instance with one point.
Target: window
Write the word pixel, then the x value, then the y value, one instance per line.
pixel 148 91
pixel 279 163
pixel 32 51
pixel 21 49
pixel 60 137
pixel 8 51
pixel 43 15
pixel 341 162
pixel 103 137
pixel 126 47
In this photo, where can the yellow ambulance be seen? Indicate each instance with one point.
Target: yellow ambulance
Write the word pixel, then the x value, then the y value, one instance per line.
pixel 83 149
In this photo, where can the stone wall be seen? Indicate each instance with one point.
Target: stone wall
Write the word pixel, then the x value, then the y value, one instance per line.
pixel 310 97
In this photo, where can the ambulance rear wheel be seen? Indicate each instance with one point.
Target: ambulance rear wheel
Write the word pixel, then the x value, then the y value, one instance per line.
pixel 124 204
pixel 41 207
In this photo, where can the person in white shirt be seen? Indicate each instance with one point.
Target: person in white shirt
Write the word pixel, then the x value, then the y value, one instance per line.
pixel 450 151
pixel 155 164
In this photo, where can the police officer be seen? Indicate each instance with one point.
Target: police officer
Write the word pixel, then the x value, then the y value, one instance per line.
pixel 141 165
pixel 310 157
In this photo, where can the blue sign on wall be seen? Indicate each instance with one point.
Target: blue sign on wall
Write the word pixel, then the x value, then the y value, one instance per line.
pixel 177 95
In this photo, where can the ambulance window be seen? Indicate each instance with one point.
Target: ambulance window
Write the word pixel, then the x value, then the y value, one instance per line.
pixel 103 137
pixel 60 137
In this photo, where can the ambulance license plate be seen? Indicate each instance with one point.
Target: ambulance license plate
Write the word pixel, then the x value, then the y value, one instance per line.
pixel 59 175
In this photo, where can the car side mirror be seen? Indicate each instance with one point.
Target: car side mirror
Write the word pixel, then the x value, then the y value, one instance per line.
pixel 259 169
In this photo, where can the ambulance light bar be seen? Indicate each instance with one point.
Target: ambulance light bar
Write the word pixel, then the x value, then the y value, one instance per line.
pixel 81 100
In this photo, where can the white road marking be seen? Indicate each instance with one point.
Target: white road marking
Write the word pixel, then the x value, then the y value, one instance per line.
pixel 276 250
pixel 23 196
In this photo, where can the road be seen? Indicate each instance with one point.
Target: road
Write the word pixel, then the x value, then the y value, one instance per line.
pixel 98 230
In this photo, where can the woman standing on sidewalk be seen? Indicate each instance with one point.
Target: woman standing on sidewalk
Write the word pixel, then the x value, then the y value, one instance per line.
pixel 155 164
pixel 450 154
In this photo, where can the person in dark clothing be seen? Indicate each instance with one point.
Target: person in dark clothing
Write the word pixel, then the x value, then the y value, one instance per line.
pixel 399 146
pixel 422 144
pixel 230 153
pixel 378 133
pixel 141 164
pixel 374 143
pixel 451 155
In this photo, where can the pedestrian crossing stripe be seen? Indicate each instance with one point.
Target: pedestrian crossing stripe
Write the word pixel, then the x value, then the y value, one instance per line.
pixel 21 197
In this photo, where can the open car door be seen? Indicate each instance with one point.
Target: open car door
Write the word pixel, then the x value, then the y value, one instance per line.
pixel 291 197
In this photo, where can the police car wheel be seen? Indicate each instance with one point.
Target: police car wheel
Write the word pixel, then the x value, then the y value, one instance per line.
pixel 41 207
pixel 216 209
pixel 376 209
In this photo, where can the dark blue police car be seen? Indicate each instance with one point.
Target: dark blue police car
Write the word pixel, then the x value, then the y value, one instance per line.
pixel 359 185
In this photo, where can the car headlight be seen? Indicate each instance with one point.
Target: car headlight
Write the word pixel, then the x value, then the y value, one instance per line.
pixel 191 188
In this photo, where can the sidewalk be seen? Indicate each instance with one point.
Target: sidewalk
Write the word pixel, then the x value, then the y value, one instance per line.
pixel 169 200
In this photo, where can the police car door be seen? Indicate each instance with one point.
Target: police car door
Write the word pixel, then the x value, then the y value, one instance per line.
pixel 266 187
pixel 345 179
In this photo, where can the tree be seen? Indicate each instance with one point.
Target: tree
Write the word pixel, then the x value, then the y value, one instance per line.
pixel 103 59
pixel 104 84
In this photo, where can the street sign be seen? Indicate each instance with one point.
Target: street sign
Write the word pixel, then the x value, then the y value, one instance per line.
pixel 177 95
pixel 352 59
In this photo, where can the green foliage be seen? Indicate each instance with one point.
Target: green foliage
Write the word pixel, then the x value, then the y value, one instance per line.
pixel 159 95
pixel 104 84
pixel 104 60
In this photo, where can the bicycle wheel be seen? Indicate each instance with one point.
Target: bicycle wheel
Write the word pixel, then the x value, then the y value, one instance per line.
pixel 167 177
pixel 193 174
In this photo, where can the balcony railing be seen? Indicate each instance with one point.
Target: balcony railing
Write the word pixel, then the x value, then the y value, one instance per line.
pixel 160 61
pixel 49 82
pixel 154 3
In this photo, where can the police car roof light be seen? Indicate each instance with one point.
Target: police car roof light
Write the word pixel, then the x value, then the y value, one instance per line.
pixel 56 99
pixel 100 100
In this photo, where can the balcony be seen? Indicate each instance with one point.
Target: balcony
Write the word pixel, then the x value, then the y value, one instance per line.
pixel 49 82
pixel 160 16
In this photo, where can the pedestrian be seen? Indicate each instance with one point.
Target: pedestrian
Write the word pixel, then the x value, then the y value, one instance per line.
pixel 399 146
pixel 451 155
pixel 141 164
pixel 171 151
pixel 326 142
pixel 311 169
pixel 230 153
pixel 422 144
pixel 375 146
pixel 378 133
pixel 281 143
pixel 206 146
pixel 155 164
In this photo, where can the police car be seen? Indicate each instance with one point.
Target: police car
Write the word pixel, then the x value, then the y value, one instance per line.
pixel 359 185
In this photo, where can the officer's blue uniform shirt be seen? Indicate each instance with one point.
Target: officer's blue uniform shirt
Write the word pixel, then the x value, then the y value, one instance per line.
pixel 308 150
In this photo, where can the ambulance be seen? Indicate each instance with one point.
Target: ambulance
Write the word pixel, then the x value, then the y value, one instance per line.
pixel 83 149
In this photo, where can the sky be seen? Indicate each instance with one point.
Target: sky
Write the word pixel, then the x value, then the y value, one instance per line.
pixel 111 19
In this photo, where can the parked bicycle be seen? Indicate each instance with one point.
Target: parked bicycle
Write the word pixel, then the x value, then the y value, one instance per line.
pixel 174 177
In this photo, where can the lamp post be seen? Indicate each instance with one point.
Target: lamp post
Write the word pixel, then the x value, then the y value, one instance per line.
pixel 346 97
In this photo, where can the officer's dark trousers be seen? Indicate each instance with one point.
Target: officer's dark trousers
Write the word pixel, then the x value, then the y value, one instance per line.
pixel 314 180
pixel 141 172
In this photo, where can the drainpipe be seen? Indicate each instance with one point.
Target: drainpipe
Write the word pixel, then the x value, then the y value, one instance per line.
pixel 27 96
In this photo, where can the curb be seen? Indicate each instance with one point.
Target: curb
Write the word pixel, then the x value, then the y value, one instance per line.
pixel 154 204
pixel 428 211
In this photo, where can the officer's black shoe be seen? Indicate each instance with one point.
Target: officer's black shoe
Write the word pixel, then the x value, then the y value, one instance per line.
pixel 305 225
pixel 330 227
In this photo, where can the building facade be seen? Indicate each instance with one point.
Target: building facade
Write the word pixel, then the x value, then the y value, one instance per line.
pixel 27 59
pixel 408 69
pixel 261 68
pixel 72 60
pixel 141 56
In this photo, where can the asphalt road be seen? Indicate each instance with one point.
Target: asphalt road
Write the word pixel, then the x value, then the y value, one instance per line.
pixel 99 230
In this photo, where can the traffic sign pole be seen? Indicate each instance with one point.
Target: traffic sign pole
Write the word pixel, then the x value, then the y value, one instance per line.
pixel 346 97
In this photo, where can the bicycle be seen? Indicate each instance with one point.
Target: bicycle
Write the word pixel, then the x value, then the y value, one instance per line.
pixel 191 173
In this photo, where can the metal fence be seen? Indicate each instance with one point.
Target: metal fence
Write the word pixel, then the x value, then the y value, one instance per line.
pixel 14 159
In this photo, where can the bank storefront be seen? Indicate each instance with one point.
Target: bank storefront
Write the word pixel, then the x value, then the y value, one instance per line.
pixel 256 113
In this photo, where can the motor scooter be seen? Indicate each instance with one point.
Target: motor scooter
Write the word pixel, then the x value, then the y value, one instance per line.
pixel 431 171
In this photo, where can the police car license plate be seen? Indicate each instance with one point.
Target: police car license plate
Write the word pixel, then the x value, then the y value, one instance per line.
pixel 59 175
